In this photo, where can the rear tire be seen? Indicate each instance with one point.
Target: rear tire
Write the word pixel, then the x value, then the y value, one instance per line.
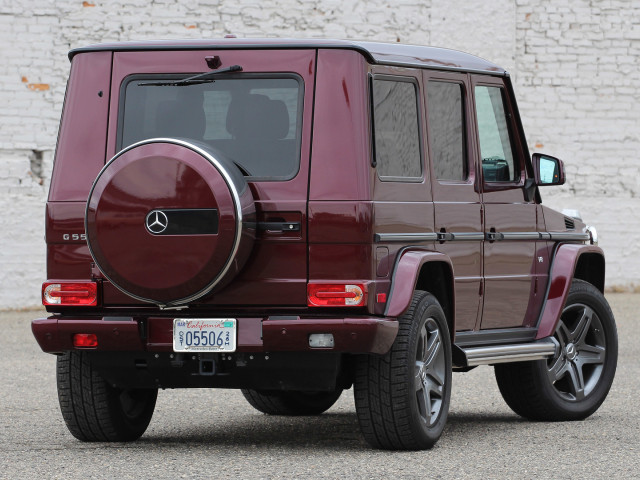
pixel 291 403
pixel 573 383
pixel 93 410
pixel 402 398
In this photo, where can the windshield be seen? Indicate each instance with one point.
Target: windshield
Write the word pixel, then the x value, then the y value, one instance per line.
pixel 254 120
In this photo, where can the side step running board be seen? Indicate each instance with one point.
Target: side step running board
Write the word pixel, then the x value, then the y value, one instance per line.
pixel 518 352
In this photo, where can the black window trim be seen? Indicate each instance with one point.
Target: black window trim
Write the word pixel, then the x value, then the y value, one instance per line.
pixel 374 162
pixel 258 75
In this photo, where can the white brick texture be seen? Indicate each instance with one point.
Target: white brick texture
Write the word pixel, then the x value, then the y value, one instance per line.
pixel 574 62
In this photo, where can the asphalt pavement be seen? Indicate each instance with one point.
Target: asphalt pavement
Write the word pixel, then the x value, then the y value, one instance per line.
pixel 216 434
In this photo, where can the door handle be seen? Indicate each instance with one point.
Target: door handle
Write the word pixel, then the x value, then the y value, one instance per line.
pixel 444 236
pixel 492 235
pixel 279 226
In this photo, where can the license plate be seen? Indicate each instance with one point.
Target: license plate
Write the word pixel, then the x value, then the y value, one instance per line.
pixel 204 335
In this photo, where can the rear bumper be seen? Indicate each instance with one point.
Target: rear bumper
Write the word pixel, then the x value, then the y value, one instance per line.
pixel 267 334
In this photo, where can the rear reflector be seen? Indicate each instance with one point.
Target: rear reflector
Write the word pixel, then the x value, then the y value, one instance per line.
pixel 70 293
pixel 335 295
pixel 85 340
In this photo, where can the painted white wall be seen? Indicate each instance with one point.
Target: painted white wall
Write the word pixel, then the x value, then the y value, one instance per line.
pixel 574 62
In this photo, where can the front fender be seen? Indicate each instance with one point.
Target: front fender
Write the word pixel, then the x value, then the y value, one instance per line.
pixel 562 272
pixel 405 278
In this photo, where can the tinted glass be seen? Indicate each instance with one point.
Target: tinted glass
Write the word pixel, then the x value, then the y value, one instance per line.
pixel 495 145
pixel 446 128
pixel 256 122
pixel 397 138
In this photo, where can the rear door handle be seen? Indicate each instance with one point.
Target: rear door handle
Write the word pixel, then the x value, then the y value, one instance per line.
pixel 445 237
pixel 279 226
pixel 492 235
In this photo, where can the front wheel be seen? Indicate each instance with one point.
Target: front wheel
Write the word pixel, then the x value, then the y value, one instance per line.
pixel 402 398
pixel 95 411
pixel 573 383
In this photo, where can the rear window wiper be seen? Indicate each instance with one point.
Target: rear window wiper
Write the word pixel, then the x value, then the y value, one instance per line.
pixel 196 79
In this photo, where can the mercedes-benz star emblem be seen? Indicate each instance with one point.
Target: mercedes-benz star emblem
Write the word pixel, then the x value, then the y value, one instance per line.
pixel 156 222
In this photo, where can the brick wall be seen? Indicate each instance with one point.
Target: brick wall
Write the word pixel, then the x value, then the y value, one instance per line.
pixel 574 65
pixel 579 85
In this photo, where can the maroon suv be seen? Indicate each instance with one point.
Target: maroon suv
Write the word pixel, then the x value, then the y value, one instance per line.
pixel 296 217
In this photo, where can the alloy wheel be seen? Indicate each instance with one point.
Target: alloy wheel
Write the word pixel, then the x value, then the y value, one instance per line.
pixel 577 366
pixel 430 367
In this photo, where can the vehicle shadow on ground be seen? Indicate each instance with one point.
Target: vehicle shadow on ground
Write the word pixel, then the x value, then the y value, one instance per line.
pixel 331 431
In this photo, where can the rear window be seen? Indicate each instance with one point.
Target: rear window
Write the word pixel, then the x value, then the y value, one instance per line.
pixel 256 121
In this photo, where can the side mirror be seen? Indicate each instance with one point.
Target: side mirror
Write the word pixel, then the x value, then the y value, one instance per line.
pixel 547 170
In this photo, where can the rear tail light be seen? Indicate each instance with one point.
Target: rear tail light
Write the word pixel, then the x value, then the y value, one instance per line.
pixel 70 293
pixel 336 295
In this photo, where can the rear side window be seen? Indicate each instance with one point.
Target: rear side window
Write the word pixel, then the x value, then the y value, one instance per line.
pixel 396 132
pixel 254 121
pixel 445 109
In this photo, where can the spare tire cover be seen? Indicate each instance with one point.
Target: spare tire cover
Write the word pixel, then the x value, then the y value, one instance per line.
pixel 164 221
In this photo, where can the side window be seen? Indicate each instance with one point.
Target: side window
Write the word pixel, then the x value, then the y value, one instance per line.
pixel 396 131
pixel 445 109
pixel 498 164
